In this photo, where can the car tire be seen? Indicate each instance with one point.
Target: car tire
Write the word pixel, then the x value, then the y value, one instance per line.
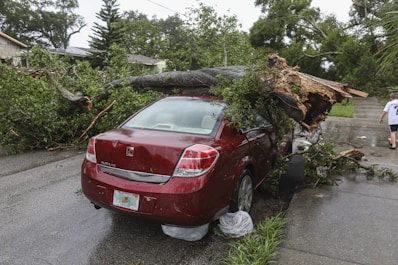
pixel 242 198
pixel 291 142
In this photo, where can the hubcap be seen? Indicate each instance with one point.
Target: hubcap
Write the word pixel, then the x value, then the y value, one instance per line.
pixel 245 194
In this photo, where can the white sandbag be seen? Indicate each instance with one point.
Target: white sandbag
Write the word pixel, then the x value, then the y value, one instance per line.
pixel 186 233
pixel 236 224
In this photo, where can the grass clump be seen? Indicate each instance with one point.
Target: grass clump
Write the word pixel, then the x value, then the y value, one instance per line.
pixel 343 109
pixel 260 246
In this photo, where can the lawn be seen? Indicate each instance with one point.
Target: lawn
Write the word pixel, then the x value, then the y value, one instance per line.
pixel 343 109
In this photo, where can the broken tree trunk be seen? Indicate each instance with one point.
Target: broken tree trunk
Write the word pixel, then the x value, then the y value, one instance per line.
pixel 78 99
pixel 306 99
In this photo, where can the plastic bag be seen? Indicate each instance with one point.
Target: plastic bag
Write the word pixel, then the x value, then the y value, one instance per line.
pixel 301 145
pixel 186 233
pixel 236 224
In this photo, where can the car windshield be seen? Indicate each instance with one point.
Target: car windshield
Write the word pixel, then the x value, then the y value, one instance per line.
pixel 179 114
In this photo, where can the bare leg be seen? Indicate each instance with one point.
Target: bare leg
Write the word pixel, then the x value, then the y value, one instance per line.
pixel 393 139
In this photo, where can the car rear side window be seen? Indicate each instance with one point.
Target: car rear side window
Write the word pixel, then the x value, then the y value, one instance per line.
pixel 187 115
pixel 258 122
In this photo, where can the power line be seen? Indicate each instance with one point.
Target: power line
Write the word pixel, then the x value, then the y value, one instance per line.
pixel 165 7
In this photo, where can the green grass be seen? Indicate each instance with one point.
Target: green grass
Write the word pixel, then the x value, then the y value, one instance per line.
pixel 383 102
pixel 343 109
pixel 259 247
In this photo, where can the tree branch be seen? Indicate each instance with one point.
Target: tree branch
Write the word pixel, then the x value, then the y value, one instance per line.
pixel 96 118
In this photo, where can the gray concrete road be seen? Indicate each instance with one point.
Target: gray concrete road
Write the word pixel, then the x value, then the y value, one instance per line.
pixel 44 219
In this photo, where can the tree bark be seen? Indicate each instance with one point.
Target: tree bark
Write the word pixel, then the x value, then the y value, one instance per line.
pixel 196 81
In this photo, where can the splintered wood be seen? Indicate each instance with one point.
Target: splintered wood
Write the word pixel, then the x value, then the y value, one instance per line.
pixel 352 153
pixel 306 98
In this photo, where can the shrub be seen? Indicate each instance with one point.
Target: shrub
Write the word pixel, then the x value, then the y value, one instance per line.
pixel 35 115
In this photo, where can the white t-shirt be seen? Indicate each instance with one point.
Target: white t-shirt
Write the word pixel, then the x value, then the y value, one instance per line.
pixel 392 109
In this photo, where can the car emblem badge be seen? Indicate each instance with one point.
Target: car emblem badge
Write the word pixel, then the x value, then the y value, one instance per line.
pixel 130 151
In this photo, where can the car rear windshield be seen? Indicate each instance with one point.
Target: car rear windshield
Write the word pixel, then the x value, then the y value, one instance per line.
pixel 187 115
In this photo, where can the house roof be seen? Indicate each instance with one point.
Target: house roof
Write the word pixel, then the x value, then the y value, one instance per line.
pixel 11 39
pixel 73 51
pixel 86 52
pixel 134 58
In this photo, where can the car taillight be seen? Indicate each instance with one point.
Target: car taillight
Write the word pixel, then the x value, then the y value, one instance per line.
pixel 90 154
pixel 195 161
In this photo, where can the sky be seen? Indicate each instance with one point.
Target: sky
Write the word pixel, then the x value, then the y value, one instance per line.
pixel 245 11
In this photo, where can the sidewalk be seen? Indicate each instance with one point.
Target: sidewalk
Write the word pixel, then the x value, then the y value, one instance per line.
pixel 357 221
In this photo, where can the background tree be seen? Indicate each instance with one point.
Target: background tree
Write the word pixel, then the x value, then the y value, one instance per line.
pixel 389 50
pixel 204 39
pixel 362 10
pixel 158 38
pixel 323 46
pixel 217 41
pixel 167 39
pixel 43 23
pixel 369 28
pixel 295 30
pixel 177 43
pixel 143 35
pixel 109 33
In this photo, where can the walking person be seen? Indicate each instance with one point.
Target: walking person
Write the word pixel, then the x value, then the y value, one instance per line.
pixel 391 108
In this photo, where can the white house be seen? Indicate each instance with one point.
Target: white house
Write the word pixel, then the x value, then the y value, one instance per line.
pixel 10 48
pixel 153 65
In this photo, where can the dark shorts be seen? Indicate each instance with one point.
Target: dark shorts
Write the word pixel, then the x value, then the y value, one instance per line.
pixel 393 127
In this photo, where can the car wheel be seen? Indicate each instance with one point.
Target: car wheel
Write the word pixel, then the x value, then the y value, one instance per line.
pixel 243 193
pixel 291 142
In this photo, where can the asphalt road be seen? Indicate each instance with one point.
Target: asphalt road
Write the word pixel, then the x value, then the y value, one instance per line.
pixel 45 219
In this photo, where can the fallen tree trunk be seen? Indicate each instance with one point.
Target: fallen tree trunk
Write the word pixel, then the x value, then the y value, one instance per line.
pixel 186 82
pixel 306 99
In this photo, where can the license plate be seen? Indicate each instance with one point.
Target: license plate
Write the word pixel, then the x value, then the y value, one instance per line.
pixel 126 200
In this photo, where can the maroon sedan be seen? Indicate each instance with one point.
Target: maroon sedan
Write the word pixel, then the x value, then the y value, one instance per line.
pixel 179 162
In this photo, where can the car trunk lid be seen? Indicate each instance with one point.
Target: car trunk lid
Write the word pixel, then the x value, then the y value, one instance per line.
pixel 144 152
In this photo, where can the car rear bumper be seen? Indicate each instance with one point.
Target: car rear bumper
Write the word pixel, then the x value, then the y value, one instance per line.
pixel 180 201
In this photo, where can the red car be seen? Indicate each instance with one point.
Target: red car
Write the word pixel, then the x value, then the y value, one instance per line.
pixel 179 162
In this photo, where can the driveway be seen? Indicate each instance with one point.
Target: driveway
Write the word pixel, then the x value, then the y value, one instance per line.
pixel 356 221
pixel 45 219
